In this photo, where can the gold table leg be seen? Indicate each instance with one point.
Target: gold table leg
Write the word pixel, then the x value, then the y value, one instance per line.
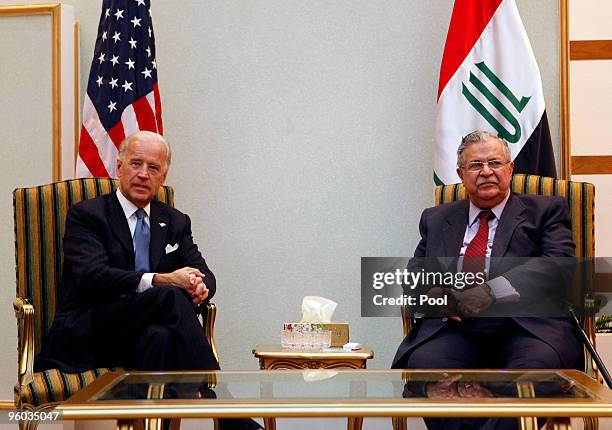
pixel 399 423
pixel 561 423
pixel 525 389
pixel 282 363
pixel 528 423
pixel 130 424
pixel 591 423
pixel 354 423
pixel 270 423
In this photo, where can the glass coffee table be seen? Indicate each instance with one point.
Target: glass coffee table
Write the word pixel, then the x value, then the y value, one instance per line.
pixel 130 396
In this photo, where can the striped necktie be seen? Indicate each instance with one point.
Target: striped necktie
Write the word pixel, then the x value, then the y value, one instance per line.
pixel 474 257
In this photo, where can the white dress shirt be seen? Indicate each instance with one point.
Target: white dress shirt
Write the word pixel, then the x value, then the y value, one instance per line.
pixel 129 209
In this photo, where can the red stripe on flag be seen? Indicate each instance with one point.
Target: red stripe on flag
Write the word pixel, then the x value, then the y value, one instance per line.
pixel 88 152
pixel 117 134
pixel 469 19
pixel 144 115
pixel 158 110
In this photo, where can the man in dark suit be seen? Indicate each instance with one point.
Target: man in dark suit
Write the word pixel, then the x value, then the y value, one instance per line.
pixel 493 222
pixel 131 277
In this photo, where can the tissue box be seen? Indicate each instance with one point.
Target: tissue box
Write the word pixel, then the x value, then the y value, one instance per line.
pixel 339 330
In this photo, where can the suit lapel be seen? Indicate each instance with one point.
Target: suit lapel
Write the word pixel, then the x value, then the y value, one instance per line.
pixel 454 231
pixel 511 217
pixel 119 226
pixel 159 228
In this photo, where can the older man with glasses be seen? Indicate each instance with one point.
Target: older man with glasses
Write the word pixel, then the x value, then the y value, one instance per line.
pixel 493 222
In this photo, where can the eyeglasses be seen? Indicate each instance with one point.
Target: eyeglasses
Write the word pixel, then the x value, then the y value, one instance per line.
pixel 477 166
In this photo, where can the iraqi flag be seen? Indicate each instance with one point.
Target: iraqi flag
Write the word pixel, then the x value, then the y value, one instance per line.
pixel 489 80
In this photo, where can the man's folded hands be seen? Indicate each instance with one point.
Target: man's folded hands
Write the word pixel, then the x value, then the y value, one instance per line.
pixel 188 278
pixel 462 303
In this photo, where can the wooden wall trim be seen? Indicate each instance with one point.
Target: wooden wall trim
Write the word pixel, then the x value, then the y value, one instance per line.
pixel 603 282
pixel 590 50
pixel 54 10
pixel 591 164
pixel 564 101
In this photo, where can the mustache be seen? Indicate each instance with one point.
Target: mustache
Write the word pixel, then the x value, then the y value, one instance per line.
pixel 487 181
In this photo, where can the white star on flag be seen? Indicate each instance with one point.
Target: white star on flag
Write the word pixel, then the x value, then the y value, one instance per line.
pixel 119 14
pixel 116 37
pixel 132 43
pixel 101 58
pixel 136 22
pixel 107 13
pixel 130 64
pixel 127 86
pixel 111 106
pixel 114 60
pixel 113 83
pixel 99 81
pixel 146 72
pixel 104 36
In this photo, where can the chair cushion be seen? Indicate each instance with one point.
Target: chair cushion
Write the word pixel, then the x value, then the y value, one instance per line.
pixel 54 386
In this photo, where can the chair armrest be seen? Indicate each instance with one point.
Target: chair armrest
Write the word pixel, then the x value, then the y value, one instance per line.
pixel 406 320
pixel 24 312
pixel 208 311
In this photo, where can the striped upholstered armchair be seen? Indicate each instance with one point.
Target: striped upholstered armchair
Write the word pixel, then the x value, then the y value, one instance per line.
pixel 581 199
pixel 40 214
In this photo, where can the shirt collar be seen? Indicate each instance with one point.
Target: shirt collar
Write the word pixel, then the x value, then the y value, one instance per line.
pixel 128 207
pixel 497 210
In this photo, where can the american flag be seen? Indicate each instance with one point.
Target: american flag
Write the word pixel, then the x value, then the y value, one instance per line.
pixel 122 94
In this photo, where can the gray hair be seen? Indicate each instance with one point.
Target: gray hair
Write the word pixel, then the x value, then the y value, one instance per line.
pixel 480 137
pixel 144 135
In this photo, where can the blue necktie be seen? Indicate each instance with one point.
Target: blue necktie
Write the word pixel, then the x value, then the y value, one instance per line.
pixel 142 238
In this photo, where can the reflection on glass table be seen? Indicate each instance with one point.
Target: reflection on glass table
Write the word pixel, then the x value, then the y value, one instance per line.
pixel 128 396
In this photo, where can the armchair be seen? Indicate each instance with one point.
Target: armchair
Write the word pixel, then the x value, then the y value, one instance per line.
pixel 580 197
pixel 39 215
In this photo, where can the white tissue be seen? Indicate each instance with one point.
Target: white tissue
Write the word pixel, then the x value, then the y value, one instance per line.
pixel 317 309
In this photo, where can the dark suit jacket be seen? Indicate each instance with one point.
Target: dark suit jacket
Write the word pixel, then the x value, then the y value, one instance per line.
pixel 530 226
pixel 99 266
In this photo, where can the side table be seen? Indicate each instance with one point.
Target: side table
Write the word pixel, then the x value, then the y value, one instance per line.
pixel 275 357
pixel 272 357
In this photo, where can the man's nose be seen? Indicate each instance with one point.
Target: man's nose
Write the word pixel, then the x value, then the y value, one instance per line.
pixel 486 170
pixel 143 171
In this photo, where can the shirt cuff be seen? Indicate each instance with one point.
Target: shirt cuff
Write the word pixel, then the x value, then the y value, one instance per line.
pixel 145 283
pixel 503 291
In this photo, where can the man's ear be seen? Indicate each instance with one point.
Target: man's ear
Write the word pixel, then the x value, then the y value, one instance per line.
pixel 460 173
pixel 119 166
